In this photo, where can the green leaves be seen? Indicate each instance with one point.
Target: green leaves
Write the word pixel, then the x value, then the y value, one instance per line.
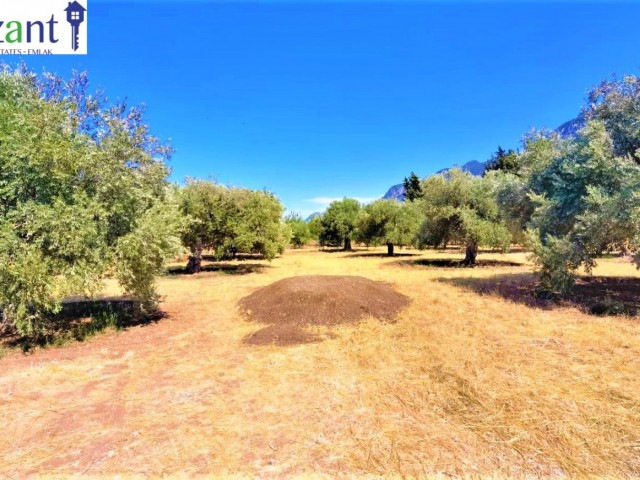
pixel 232 220
pixel 339 222
pixel 388 222
pixel 459 207
pixel 81 185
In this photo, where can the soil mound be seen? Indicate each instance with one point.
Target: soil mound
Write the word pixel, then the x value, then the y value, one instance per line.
pixel 326 300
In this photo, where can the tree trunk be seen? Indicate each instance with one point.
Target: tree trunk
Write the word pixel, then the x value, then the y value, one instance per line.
pixel 470 254
pixel 347 244
pixel 194 265
pixel 390 249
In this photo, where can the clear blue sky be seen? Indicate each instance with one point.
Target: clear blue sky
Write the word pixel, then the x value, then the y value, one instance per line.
pixel 316 100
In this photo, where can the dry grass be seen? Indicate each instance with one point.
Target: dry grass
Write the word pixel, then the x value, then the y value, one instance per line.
pixel 463 384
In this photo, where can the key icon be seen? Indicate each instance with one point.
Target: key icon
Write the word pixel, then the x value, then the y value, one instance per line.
pixel 75 16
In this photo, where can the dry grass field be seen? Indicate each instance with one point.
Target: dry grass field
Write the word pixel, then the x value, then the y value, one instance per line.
pixel 475 378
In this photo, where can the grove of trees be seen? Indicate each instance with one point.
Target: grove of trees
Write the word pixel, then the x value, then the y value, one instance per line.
pixel 84 194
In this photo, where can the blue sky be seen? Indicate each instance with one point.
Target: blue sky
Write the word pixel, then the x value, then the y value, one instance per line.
pixel 320 100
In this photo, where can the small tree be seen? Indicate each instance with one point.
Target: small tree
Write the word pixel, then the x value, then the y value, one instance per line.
pixel 504 160
pixel 459 207
pixel 412 187
pixel 300 232
pixel 230 221
pixel 388 222
pixel 339 222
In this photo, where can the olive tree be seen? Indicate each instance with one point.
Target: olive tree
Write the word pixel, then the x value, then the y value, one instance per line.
pixel 586 203
pixel 461 208
pixel 388 222
pixel 230 220
pixel 577 197
pixel 83 193
pixel 300 231
pixel 339 222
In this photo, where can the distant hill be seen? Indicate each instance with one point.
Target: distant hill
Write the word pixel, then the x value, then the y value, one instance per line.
pixel 571 128
pixel 396 192
pixel 312 216
pixel 474 167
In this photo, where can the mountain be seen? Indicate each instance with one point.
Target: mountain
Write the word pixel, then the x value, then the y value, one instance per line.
pixel 396 192
pixel 571 128
pixel 312 216
pixel 474 167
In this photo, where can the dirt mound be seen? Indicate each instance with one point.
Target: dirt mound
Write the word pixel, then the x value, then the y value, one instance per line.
pixel 281 335
pixel 328 300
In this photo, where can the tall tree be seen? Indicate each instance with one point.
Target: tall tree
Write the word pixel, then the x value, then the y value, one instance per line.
pixel 459 207
pixel 390 223
pixel 83 192
pixel 339 222
pixel 412 187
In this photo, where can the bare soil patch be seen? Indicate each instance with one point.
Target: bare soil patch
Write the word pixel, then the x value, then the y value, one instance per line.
pixel 325 300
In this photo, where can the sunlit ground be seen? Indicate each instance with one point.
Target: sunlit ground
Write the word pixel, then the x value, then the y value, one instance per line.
pixel 467 381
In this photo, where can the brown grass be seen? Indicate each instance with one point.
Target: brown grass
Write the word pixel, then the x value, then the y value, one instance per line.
pixel 465 383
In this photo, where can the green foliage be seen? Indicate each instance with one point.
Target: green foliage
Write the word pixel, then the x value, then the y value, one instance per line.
pixel 339 223
pixel 388 222
pixel 300 231
pixel 232 220
pixel 140 254
pixel 412 187
pixel 586 203
pixel 505 161
pixel 315 227
pixel 79 180
pixel 459 207
pixel 617 105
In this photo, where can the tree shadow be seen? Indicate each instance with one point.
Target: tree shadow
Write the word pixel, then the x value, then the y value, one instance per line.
pixel 595 295
pixel 81 319
pixel 241 257
pixel 382 255
pixel 458 263
pixel 341 250
pixel 223 267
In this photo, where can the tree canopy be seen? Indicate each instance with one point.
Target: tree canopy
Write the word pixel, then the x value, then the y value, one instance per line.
pixel 300 230
pixel 578 196
pixel 503 160
pixel 459 207
pixel 339 223
pixel 412 187
pixel 83 192
pixel 231 220
pixel 388 222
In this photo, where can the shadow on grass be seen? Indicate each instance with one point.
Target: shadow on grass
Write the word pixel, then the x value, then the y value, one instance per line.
pixel 458 263
pixel 80 320
pixel 223 267
pixel 595 295
pixel 382 255
pixel 340 250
